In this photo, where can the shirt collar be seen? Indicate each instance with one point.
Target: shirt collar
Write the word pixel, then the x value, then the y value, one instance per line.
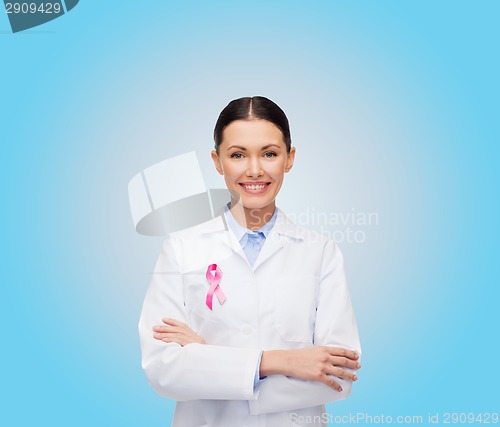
pixel 241 232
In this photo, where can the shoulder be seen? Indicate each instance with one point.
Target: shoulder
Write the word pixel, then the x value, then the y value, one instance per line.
pixel 195 247
pixel 199 231
pixel 314 248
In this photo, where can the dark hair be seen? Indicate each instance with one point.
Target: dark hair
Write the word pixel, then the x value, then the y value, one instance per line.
pixel 257 107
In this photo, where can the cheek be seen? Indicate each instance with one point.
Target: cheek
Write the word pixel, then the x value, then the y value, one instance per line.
pixel 231 171
pixel 277 171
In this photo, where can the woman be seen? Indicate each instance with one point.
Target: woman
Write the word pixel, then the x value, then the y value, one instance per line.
pixel 258 328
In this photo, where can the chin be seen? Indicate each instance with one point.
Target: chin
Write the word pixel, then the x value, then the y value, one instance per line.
pixel 253 203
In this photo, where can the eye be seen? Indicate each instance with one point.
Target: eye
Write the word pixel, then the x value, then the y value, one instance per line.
pixel 236 156
pixel 270 154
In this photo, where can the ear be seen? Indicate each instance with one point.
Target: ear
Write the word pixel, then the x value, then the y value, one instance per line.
pixel 217 162
pixel 289 160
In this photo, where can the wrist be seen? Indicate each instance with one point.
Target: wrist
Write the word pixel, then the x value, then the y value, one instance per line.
pixel 274 362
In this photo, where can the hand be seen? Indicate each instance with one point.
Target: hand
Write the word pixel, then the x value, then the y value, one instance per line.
pixel 315 363
pixel 177 332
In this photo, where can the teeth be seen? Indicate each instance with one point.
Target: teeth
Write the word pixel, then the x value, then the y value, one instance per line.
pixel 254 187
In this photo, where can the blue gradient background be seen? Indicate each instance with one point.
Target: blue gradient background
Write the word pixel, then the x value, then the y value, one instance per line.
pixel 394 110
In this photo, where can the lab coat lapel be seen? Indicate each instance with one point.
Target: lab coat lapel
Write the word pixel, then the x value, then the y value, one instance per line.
pixel 275 241
pixel 225 237
pixel 277 238
pixel 272 245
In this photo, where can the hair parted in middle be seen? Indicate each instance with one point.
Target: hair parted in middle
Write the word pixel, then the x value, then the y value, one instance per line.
pixel 249 108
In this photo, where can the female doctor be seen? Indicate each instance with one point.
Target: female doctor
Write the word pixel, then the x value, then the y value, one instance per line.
pixel 248 321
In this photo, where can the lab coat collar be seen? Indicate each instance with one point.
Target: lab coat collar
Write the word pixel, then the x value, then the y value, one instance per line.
pixel 283 226
pixel 283 230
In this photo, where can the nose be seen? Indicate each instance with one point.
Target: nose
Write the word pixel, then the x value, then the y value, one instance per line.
pixel 254 168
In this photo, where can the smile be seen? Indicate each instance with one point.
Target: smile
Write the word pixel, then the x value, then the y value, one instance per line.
pixel 255 187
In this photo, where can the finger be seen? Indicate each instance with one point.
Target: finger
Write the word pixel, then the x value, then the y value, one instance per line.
pixel 172 330
pixel 339 351
pixel 181 336
pixel 177 324
pixel 158 336
pixel 181 329
pixel 330 382
pixel 160 328
pixel 174 336
pixel 345 362
pixel 171 333
pixel 342 373
pixel 173 322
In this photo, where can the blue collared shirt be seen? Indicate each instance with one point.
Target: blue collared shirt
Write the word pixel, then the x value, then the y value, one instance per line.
pixel 250 240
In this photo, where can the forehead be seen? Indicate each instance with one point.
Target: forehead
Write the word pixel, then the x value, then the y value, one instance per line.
pixel 252 133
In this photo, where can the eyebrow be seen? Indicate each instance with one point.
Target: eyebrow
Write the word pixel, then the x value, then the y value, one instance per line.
pixel 244 149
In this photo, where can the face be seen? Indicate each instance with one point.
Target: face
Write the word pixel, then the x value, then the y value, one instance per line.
pixel 253 160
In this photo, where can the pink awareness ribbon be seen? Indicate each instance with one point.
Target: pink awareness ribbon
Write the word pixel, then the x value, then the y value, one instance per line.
pixel 214 280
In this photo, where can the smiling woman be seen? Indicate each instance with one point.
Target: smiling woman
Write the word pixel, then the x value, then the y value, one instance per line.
pixel 280 338
pixel 253 151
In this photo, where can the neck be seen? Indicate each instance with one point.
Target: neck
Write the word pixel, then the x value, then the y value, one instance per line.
pixel 253 219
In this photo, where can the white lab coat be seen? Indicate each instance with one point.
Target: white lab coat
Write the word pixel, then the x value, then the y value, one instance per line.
pixel 294 297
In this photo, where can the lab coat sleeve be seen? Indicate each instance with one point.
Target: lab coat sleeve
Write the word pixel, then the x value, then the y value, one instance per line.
pixel 195 371
pixel 335 326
